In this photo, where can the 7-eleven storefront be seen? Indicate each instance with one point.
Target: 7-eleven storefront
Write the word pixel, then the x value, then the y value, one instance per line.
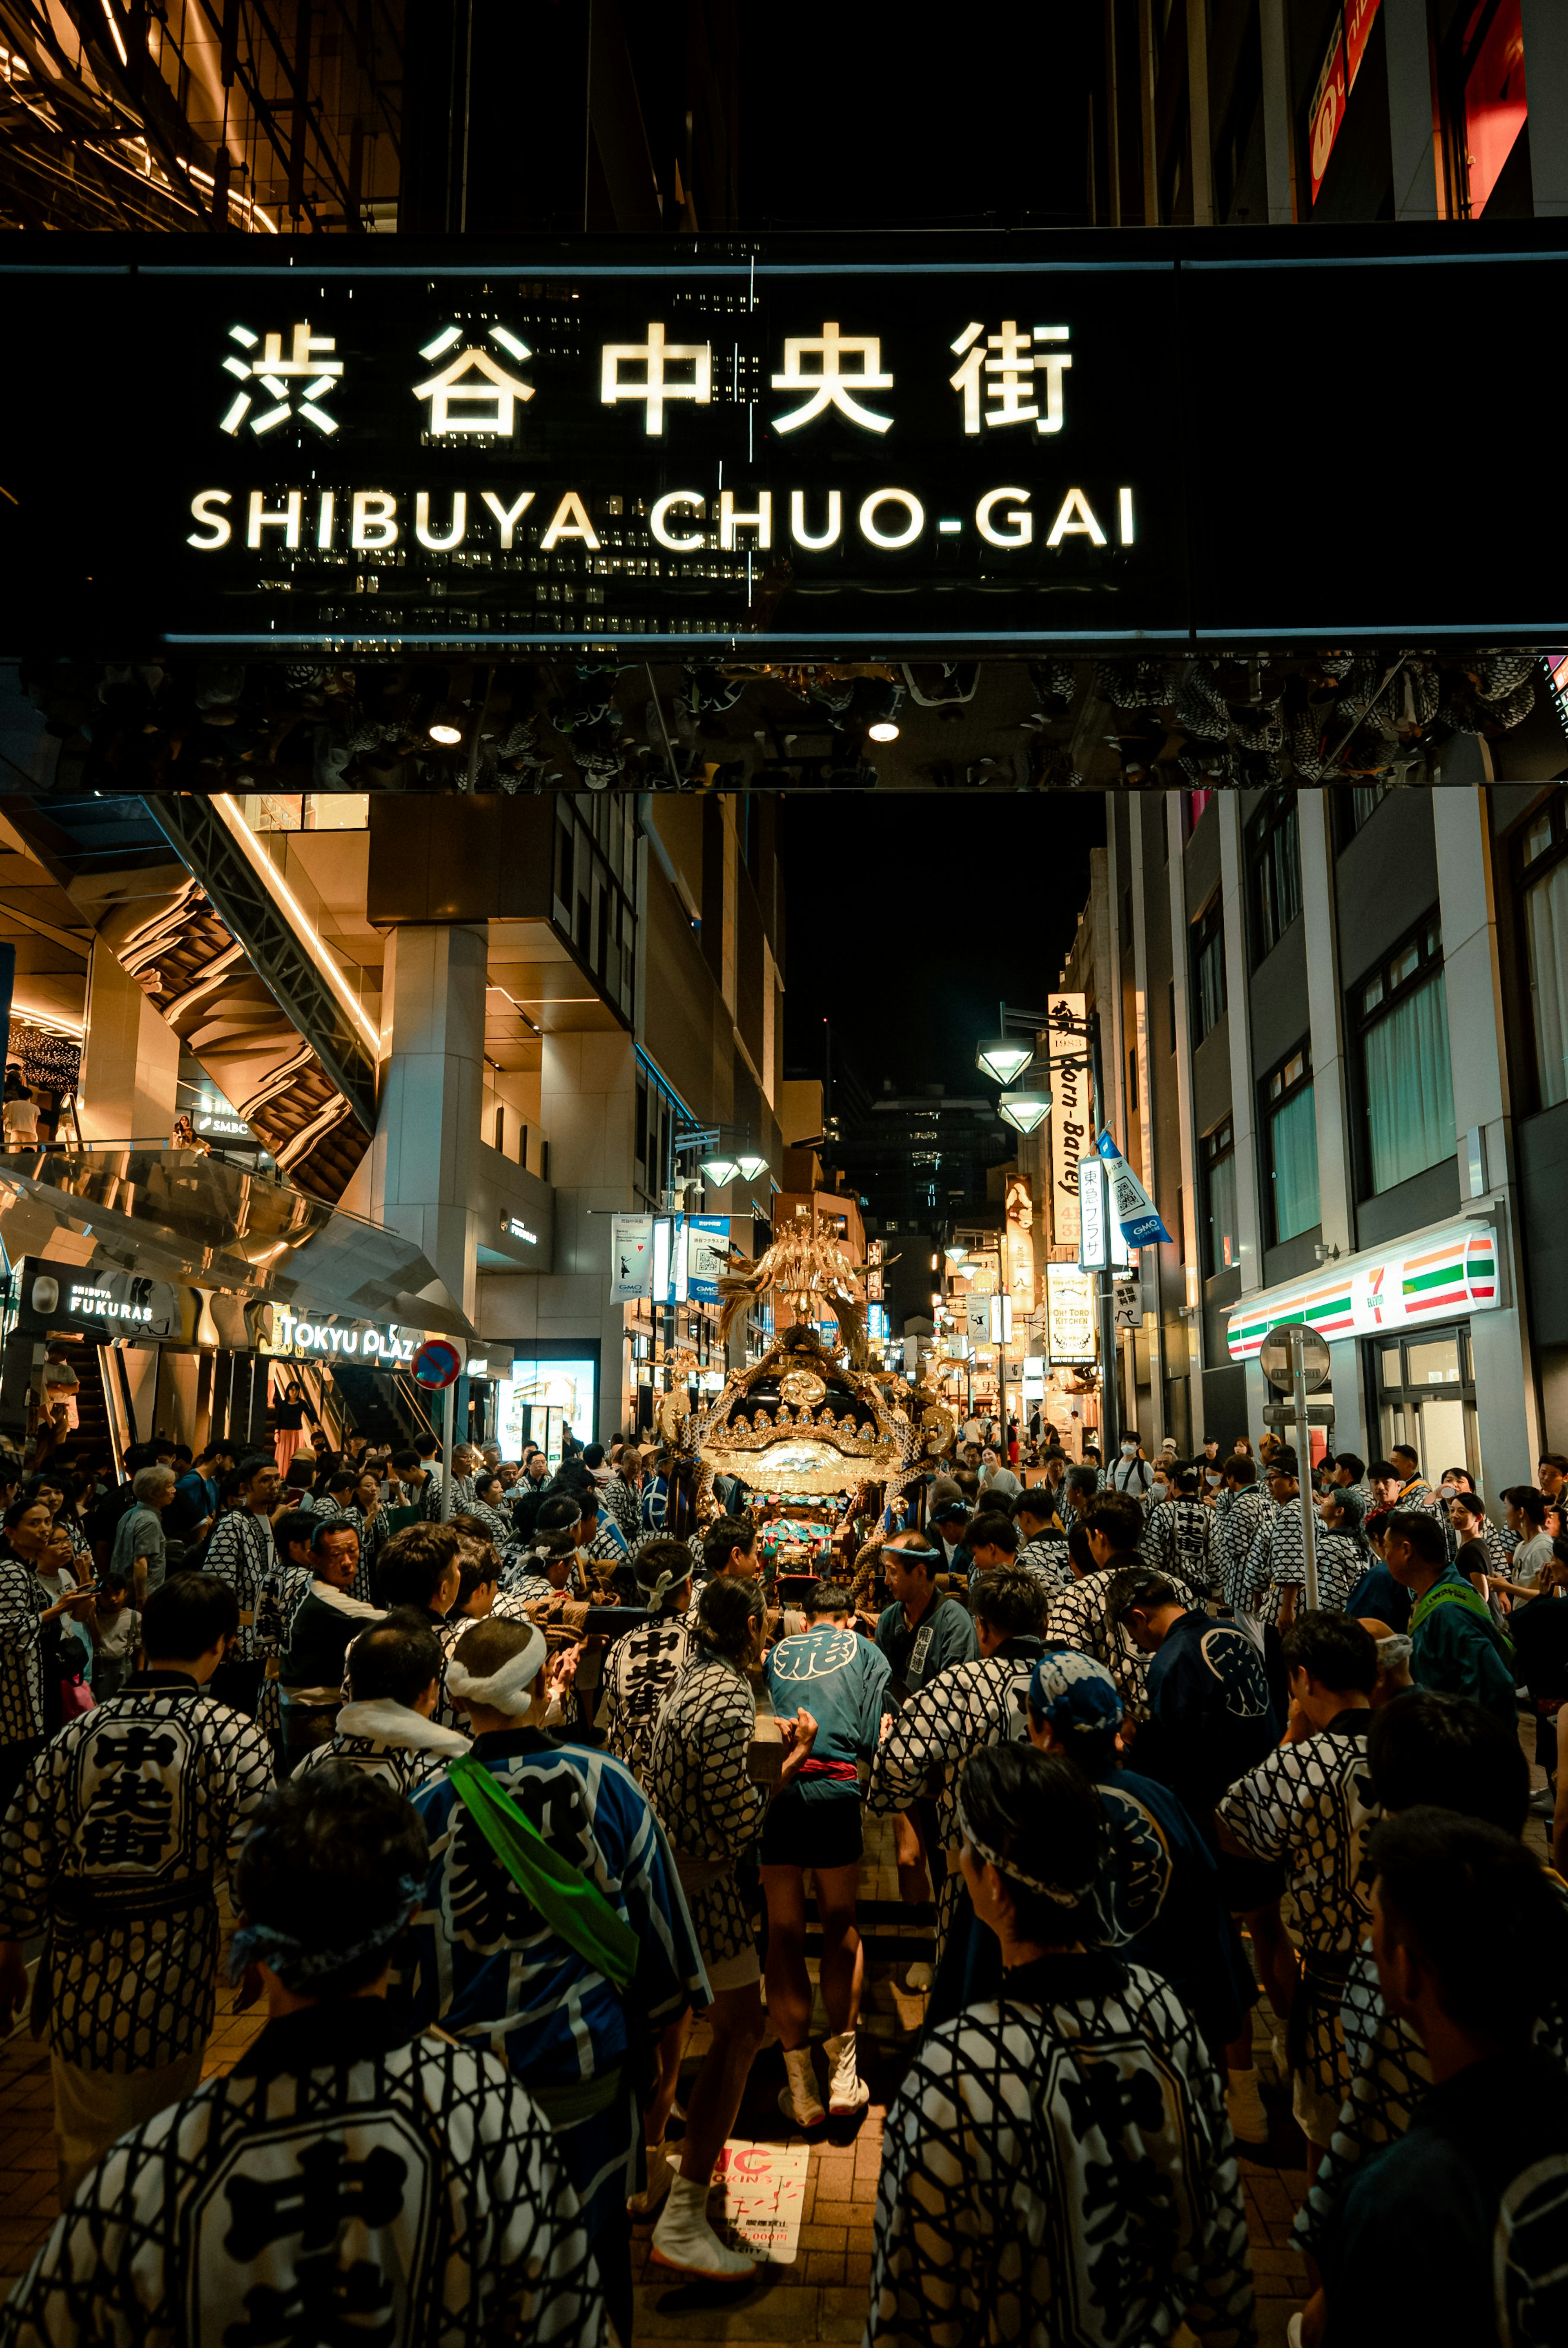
pixel 1406 1326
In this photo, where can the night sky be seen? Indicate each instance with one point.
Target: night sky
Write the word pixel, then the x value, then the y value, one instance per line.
pixel 950 901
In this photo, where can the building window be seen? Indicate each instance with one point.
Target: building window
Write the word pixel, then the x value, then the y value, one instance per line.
pixel 1133 1081
pixel 1541 874
pixel 1274 865
pixel 1357 806
pixel 1401 1009
pixel 1209 967
pixel 1221 1249
pixel 1290 1125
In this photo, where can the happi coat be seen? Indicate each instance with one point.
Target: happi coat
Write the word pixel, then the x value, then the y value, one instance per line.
pixel 339 2185
pixel 110 1851
pixel 1058 2172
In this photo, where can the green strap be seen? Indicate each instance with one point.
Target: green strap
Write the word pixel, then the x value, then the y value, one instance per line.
pixel 572 1906
pixel 1464 1594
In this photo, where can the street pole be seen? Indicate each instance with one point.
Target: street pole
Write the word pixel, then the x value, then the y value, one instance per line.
pixel 1110 1383
pixel 447 1451
pixel 1303 1434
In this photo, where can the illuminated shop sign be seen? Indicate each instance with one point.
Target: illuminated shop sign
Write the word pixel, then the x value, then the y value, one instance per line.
pixel 515 1229
pixel 381 1344
pixel 114 1304
pixel 817 447
pixel 1440 1274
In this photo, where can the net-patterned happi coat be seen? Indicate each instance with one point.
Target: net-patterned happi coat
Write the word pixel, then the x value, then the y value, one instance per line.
pixel 1179 1539
pixel 963 1708
pixel 1238 1516
pixel 1047 1559
pixel 698 1781
pixel 111 1847
pixel 1081 1618
pixel 1277 1561
pixel 639 1673
pixel 338 2186
pixel 1310 1804
pixel 388 1741
pixel 23 1639
pixel 239 1551
pixel 1058 2172
pixel 372 1534
pixel 488 1967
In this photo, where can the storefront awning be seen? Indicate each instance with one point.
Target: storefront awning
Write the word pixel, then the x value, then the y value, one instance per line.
pixel 1431 1275
pixel 179 1215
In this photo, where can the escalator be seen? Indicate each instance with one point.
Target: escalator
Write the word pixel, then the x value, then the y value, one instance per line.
pixel 207 937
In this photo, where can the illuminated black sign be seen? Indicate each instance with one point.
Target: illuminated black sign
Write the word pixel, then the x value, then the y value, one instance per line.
pixel 909 445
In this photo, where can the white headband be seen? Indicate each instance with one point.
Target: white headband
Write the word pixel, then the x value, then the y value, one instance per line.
pixel 510 1689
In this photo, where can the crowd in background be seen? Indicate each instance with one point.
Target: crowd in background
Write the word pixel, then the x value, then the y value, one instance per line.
pixel 516 1775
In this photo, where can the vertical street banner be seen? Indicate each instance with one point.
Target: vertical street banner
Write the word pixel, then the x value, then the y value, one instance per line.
pixel 1021 1284
pixel 1070 1132
pixel 707 1256
pixel 1131 1204
pixel 630 1258
pixel 1071 1311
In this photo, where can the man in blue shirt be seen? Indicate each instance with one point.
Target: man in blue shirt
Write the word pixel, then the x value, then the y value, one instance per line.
pixel 842 1680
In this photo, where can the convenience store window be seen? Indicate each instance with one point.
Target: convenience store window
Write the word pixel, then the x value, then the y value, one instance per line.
pixel 1424 1395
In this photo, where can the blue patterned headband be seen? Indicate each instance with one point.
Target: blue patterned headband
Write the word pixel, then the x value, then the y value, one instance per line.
pixel 297 1965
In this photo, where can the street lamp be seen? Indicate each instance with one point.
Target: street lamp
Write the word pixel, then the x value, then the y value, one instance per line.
pixel 719 1169
pixel 1025 1110
pixel 1004 1058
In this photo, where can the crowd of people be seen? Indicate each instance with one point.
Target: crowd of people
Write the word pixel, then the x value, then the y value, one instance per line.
pixel 516 1774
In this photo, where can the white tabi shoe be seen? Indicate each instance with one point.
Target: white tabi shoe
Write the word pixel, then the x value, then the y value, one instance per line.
pixel 683 2237
pixel 846 2090
pixel 799 2101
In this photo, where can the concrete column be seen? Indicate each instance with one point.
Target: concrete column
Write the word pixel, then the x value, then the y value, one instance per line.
pixel 130 1058
pixel 1546 82
pixel 425 1157
pixel 1336 1206
pixel 1244 1096
pixel 1278 175
pixel 1181 971
pixel 1511 1431
pixel 1154 1331
pixel 1405 33
pixel 1329 1093
pixel 588 1092
pixel 1244 1092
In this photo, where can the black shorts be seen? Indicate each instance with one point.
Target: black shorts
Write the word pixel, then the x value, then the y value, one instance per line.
pixel 1244 1884
pixel 824 1832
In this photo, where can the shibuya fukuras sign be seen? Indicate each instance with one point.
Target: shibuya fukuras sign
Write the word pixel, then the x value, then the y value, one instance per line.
pixel 831 446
